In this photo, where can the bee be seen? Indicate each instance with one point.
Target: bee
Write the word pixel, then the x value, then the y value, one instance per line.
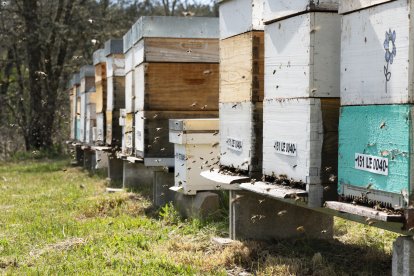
pixel 281 213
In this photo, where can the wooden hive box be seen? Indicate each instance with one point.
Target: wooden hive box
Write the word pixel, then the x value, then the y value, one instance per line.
pixel 241 85
pixel 300 142
pixel 241 126
pixel 376 52
pixel 281 9
pixel 195 150
pixel 173 57
pixel 128 134
pixel 87 84
pixel 73 85
pixel 376 154
pixel 302 56
pixel 240 16
pixel 129 71
pixel 151 131
pixel 115 68
pixel 99 61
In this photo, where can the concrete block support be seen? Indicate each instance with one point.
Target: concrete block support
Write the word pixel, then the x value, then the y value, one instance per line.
pixel 162 182
pixel 79 156
pixel 403 257
pixel 255 217
pixel 87 159
pixel 102 159
pixel 137 177
pixel 115 171
pixel 201 205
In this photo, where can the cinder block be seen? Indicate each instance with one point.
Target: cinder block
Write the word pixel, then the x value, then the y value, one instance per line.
pixel 201 205
pixel 162 182
pixel 255 217
pixel 403 257
pixel 115 172
pixel 137 176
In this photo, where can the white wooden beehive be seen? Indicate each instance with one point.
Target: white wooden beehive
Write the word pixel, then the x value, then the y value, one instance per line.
pixel 196 149
pixel 240 16
pixel 279 9
pixel 241 136
pixel 302 55
pixel 300 139
pixel 100 128
pixel 376 52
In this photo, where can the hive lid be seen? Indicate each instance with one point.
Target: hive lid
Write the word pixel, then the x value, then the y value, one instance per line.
pixel 175 27
pixel 113 47
pixel 87 71
pixel 194 124
pixel 99 56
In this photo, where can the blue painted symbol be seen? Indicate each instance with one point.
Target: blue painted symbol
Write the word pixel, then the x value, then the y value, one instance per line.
pixel 390 53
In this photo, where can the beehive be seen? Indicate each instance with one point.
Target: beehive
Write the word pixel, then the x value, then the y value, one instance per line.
pixel 241 85
pixel 174 72
pixel 99 61
pixel 151 131
pixel 276 10
pixel 128 134
pixel 300 140
pixel 302 56
pixel 115 69
pixel 73 87
pixel 87 84
pixel 376 52
pixel 195 150
pixel 376 153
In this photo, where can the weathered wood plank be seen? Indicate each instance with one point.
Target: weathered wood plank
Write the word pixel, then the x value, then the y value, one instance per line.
pixel 100 96
pixel 176 50
pixel 242 68
pixel 272 190
pixel 363 211
pixel 176 86
pixel 115 93
pixel 218 177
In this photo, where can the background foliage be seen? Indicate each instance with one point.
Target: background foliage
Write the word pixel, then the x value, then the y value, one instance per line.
pixel 42 42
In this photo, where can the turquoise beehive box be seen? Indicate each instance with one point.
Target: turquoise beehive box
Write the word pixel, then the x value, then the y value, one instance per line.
pixel 375 152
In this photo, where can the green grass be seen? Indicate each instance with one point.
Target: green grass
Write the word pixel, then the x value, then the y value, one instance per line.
pixel 55 219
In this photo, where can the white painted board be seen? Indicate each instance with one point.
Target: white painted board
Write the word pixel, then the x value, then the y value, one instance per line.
pixel 139 53
pixel 129 92
pixel 299 123
pixel 302 56
pixel 190 161
pixel 278 9
pixel 109 94
pixel 240 16
pixel 129 60
pixel 91 112
pixel 82 116
pixel 139 87
pixel 236 132
pixel 115 66
pixel 370 74
pixel 100 127
pixel 139 131
pixel 355 5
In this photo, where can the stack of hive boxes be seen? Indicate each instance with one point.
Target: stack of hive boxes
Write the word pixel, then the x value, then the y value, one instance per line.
pixel 241 85
pixel 115 100
pixel 87 92
pixel 175 75
pixel 127 119
pixel 376 123
pixel 99 61
pixel 301 97
pixel 73 89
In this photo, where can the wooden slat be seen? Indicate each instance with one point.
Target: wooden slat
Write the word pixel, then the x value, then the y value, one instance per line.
pixel 273 190
pixel 113 130
pixel 100 97
pixel 242 68
pixel 176 86
pixel 100 72
pixel 363 211
pixel 152 124
pixel 218 177
pixel 115 93
pixel 178 50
